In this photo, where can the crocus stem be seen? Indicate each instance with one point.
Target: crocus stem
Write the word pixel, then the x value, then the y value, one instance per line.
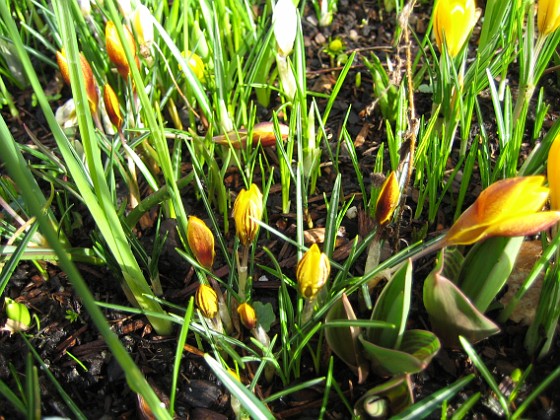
pixel 132 181
pixel 223 310
pixel 307 310
pixel 527 87
pixel 433 247
pixel 287 77
pixel 242 273
pixel 374 252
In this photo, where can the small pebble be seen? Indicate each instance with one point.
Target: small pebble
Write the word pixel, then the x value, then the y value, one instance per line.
pixel 320 38
pixel 353 35
pixel 352 212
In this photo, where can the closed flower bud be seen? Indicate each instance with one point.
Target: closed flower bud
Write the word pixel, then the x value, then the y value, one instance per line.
pixel 195 63
pixel 387 200
pixel 453 22
pixel 553 173
pixel 312 272
pixel 201 242
pixel 247 315
pixel 247 210
pixel 19 318
pixel 143 26
pixel 115 48
pixel 89 80
pixel 112 106
pixel 207 301
pixel 548 16
pixel 284 22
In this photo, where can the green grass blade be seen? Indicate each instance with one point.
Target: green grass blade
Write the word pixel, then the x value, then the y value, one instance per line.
pixel 424 408
pixel 44 368
pixel 477 361
pixel 178 354
pixel 17 255
pixel 255 408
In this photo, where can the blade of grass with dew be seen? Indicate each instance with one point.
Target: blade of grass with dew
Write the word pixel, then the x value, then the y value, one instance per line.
pixel 331 224
pixel 536 393
pixel 255 408
pixel 485 373
pixel 425 407
pixel 285 313
pixel 179 353
pixel 18 253
pixel 12 398
pixel 32 389
pixel 328 384
pixel 293 389
pixel 336 89
pixel 465 407
pixel 44 368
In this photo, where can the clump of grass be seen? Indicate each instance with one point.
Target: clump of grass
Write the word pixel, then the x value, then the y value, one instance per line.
pixel 165 83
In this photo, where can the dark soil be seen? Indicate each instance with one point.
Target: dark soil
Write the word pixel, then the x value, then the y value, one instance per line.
pixel 98 386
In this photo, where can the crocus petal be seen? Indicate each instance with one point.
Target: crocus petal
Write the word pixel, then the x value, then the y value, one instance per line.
pixel 89 80
pixel 454 21
pixel 115 48
pixel 525 225
pixel 87 73
pixel 520 195
pixel 112 106
pixel 284 21
pixel 508 207
pixel 553 173
pixel 143 26
pixel 548 16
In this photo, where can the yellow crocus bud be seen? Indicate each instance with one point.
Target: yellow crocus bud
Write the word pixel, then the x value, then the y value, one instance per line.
pixel 112 106
pixel 195 63
pixel 201 242
pixel 207 301
pixel 548 16
pixel 553 173
pixel 510 207
pixel 115 48
pixel 89 80
pixel 247 315
pixel 387 200
pixel 312 272
pixel 143 26
pixel 247 209
pixel 454 21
